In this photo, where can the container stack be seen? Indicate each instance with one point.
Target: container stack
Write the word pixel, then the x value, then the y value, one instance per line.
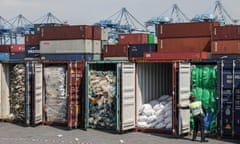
pixel 226 40
pixel 130 47
pixel 32 48
pixel 12 52
pixel 79 42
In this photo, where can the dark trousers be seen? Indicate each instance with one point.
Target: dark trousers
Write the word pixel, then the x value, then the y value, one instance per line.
pixel 198 121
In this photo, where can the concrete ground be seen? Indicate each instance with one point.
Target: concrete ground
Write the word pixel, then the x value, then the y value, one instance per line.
pixel 15 134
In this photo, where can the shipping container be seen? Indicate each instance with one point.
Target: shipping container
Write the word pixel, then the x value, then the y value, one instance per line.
pixel 17 91
pixel 59 96
pixel 4 56
pixel 104 34
pixel 184 30
pixel 66 56
pixel 97 47
pixel 115 50
pixel 196 44
pixel 136 38
pixel 159 87
pixel 32 39
pixel 37 27
pixel 173 56
pixel 110 92
pixel 96 30
pixel 66 46
pixel 227 32
pixel 19 56
pixel 32 51
pixel 138 50
pixel 5 48
pixel 228 122
pixel 225 47
pixel 67 32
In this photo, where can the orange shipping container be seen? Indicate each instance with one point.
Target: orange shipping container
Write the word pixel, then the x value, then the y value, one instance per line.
pixel 138 38
pixel 184 45
pixel 115 51
pixel 193 29
pixel 225 47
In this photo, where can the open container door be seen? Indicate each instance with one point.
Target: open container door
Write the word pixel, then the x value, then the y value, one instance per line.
pixel 38 95
pixel 184 84
pixel 128 96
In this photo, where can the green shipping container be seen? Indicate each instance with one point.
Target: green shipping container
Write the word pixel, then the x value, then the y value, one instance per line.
pixel 151 38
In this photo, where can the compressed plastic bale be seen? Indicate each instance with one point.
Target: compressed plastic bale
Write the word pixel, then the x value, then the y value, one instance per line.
pixel 158 107
pixel 169 126
pixel 163 98
pixel 142 118
pixel 151 119
pixel 143 124
pixel 205 98
pixel 148 112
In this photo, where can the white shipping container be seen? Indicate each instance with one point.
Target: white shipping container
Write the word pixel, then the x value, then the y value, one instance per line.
pixel 116 58
pixel 97 47
pixel 65 46
pixel 104 34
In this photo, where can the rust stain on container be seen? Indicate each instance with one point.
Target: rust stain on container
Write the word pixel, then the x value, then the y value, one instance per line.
pixel 133 38
pixel 67 32
pixel 184 44
pixel 193 29
pixel 225 47
pixel 120 50
pixel 32 39
pixel 231 32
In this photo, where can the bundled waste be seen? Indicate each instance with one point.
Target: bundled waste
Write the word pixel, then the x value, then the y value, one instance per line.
pixel 156 113
pixel 17 92
pixel 56 98
pixel 204 88
pixel 102 98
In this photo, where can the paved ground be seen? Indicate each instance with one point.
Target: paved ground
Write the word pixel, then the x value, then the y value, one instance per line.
pixel 15 134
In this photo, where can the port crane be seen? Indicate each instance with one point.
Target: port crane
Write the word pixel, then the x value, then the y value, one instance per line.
pixel 176 16
pixel 6 33
pixel 219 13
pixel 121 22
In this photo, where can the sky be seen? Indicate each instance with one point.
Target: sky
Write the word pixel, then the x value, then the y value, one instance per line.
pixel 81 12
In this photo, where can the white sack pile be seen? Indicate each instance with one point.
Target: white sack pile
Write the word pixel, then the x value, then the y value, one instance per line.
pixel 102 98
pixel 17 92
pixel 156 114
pixel 56 97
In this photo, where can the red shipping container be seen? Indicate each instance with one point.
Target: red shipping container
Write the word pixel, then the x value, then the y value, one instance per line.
pixel 180 30
pixel 231 32
pixel 138 38
pixel 172 56
pixel 32 39
pixel 184 45
pixel 67 32
pixel 116 50
pixel 225 47
pixel 96 32
pixel 15 48
pixel 5 48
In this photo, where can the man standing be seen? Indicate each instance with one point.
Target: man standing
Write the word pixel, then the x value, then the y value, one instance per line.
pixel 197 111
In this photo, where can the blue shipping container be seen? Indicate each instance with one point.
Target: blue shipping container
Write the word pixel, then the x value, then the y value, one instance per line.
pixel 4 56
pixel 138 50
pixel 17 56
pixel 32 51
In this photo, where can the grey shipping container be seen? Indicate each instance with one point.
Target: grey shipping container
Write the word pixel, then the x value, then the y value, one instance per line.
pixel 228 118
pixel 110 92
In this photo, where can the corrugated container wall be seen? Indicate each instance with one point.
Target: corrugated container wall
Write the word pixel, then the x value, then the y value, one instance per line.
pixel 231 32
pixel 228 92
pixel 193 29
pixel 115 50
pixel 66 46
pixel 67 32
pixel 184 44
pixel 32 39
pixel 225 47
pixel 138 38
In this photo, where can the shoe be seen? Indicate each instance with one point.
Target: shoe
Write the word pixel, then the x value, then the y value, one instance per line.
pixel 204 140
